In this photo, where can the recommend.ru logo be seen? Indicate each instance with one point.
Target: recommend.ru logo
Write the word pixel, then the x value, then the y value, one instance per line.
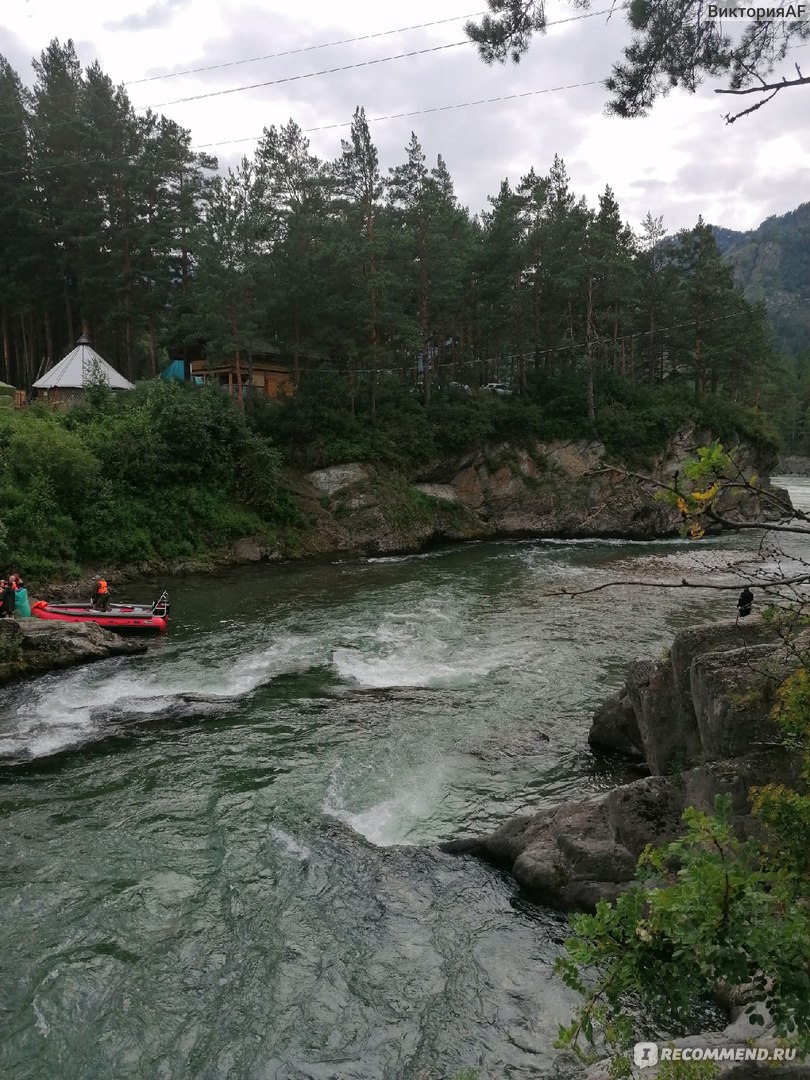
pixel 645 1054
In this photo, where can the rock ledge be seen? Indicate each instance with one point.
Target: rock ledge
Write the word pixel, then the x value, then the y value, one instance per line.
pixel 33 647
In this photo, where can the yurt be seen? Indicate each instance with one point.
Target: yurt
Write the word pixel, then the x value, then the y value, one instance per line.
pixel 82 367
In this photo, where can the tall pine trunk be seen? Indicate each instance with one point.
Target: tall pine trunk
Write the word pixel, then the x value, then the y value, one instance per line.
pixel 6 348
pixel 69 313
pixel 238 358
pixel 153 349
pixel 589 339
pixel 48 339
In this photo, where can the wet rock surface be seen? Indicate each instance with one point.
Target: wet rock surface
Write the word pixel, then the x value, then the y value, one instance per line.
pixel 699 718
pixel 32 647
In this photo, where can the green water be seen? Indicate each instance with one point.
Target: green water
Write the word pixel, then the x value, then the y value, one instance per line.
pixel 219 860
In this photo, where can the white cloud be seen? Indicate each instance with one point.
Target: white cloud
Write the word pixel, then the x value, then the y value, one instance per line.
pixel 155 17
pixel 680 161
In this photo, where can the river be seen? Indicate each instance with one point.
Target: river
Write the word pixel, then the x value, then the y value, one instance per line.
pixel 219 859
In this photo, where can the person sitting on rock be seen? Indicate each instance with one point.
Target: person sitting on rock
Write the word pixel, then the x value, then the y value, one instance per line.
pixel 101 597
pixel 744 603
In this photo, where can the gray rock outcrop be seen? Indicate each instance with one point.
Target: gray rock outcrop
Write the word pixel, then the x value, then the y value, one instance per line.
pixel 699 718
pixel 32 647
pixel 793 466
pixel 582 851
pixel 554 489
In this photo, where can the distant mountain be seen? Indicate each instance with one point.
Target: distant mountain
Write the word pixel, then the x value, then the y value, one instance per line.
pixel 772 263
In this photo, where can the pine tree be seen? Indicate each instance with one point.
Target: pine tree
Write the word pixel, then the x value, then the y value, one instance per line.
pixel 708 300
pixel 63 174
pixel 432 253
pixel 358 188
pixel 18 240
pixel 291 188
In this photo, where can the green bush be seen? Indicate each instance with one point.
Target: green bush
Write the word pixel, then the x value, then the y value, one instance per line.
pixel 164 471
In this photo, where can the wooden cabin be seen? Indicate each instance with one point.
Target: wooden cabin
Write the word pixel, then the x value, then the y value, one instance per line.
pixel 271 378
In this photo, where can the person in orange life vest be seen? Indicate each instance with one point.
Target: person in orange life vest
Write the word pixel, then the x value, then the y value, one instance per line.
pixel 101 597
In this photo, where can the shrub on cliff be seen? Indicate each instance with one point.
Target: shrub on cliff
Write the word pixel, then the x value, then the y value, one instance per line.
pixel 710 912
pixel 329 420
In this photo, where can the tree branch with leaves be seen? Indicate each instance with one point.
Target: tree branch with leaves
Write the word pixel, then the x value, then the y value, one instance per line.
pixel 675 43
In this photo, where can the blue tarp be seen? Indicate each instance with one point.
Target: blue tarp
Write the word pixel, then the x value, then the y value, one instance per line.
pixel 176 370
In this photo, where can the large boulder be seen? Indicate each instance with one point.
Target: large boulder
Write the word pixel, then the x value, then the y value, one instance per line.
pixel 669 737
pixel 615 726
pixel 708 700
pixel 338 478
pixel 586 849
pixel 33 646
pixel 731 693
pixel 700 719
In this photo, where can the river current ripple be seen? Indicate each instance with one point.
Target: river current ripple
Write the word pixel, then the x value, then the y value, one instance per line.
pixel 219 860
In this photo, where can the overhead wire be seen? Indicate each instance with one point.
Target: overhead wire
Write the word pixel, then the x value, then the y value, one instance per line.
pixel 308 75
pixel 299 78
pixel 569 347
pixel 302 49
pixel 346 41
pixel 413 112
pixel 307 131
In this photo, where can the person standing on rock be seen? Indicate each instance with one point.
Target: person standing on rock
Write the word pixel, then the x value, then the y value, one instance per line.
pixel 21 602
pixel 744 603
pixel 8 599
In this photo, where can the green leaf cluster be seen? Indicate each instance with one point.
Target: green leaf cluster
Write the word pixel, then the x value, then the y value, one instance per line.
pixel 710 912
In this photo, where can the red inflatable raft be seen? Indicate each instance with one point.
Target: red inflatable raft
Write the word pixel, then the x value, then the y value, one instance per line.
pixel 122 618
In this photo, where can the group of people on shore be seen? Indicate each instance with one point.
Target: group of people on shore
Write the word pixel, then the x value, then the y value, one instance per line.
pixel 14 598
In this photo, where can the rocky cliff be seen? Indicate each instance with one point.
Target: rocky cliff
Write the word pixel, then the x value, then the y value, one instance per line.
pixel 699 721
pixel 560 489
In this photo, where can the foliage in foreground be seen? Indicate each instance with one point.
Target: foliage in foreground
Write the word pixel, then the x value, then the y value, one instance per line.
pixel 711 913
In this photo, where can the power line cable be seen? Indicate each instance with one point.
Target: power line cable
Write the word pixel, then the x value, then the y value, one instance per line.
pixel 583 345
pixel 302 49
pixel 323 127
pixel 305 75
pixel 414 112
pixel 347 41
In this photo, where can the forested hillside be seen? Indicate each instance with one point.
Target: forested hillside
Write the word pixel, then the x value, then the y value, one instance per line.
pixel 111 218
pixel 393 305
pixel 772 263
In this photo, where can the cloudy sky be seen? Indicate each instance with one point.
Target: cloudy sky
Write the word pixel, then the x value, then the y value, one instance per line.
pixel 681 161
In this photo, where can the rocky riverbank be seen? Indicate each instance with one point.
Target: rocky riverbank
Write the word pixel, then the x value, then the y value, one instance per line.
pixel 793 466
pixel 698 723
pixel 30 647
pixel 557 489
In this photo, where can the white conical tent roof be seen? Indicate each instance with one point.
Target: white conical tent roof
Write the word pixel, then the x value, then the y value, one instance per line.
pixel 82 367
